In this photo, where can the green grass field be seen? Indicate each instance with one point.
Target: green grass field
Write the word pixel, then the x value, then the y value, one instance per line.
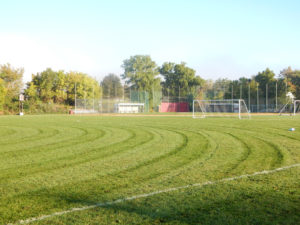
pixel 50 164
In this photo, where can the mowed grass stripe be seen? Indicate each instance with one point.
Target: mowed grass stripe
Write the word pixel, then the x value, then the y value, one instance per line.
pixel 102 170
pixel 31 178
pixel 267 137
pixel 121 156
pixel 147 195
pixel 6 131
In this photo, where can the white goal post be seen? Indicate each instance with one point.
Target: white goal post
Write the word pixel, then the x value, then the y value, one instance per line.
pixel 296 107
pixel 221 108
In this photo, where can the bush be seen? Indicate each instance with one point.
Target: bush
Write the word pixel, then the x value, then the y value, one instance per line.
pixel 40 108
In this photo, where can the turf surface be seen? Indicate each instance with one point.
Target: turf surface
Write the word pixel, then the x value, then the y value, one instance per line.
pixel 53 163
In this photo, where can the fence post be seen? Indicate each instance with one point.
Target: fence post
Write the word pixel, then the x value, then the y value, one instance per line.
pixel 257 102
pixel 75 96
pixel 249 96
pixel 266 97
pixel 241 89
pixel 276 96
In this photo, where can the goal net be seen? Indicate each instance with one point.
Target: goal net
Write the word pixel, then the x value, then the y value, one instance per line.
pixel 86 106
pixel 290 109
pixel 221 108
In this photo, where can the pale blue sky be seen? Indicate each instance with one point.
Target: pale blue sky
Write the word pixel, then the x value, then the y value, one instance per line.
pixel 217 38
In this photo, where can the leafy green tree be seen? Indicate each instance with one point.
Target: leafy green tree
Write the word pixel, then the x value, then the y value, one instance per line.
pixel 12 82
pixel 179 80
pixel 2 95
pixel 44 82
pixel 86 87
pixel 292 79
pixel 264 78
pixel 141 72
pixel 31 91
pixel 59 87
pixel 111 86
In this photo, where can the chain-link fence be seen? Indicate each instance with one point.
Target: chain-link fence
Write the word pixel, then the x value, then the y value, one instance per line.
pixel 256 100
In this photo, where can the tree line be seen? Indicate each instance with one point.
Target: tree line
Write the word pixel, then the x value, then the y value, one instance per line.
pixel 51 88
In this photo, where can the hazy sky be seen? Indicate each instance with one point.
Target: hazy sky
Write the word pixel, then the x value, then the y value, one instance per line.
pixel 216 38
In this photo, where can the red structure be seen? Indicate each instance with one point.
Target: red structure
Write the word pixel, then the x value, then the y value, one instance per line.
pixel 174 107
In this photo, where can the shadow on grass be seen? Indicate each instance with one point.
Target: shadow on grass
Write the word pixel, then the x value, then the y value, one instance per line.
pixel 264 200
pixel 213 205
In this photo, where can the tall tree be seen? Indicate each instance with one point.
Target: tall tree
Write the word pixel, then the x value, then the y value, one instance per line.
pixel 44 82
pixel 2 95
pixel 292 79
pixel 179 79
pixel 31 92
pixel 111 86
pixel 265 77
pixel 59 87
pixel 12 83
pixel 141 72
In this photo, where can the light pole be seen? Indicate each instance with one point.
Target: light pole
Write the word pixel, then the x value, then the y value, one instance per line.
pixel 276 96
pixel 257 101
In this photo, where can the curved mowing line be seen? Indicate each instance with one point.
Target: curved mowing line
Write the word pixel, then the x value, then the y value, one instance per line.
pixel 8 132
pixel 279 159
pixel 273 146
pixel 98 150
pixel 63 143
pixel 200 161
pixel 109 174
pixel 37 150
pixel 49 161
pixel 147 163
pixel 161 157
pixel 268 132
pixel 280 156
pixel 86 159
pixel 103 204
pixel 245 155
pixel 37 147
pixel 173 152
pixel 26 138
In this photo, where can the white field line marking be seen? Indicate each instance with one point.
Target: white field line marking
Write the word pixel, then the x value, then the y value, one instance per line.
pixel 33 219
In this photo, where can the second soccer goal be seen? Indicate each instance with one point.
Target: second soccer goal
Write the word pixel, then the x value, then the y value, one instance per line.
pixel 220 108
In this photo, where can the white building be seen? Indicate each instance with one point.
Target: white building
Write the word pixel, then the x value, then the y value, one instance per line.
pixel 129 107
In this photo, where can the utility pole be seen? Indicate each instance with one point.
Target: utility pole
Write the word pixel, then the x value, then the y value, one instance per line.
pixel 124 93
pixel 257 101
pixel 153 97
pixel 75 96
pixel 93 98
pixel 101 86
pixel 266 97
pixel 232 96
pixel 249 96
pixel 241 89
pixel 276 96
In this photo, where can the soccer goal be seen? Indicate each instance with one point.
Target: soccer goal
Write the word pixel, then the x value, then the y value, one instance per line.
pixel 220 108
pixel 87 106
pixel 290 108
